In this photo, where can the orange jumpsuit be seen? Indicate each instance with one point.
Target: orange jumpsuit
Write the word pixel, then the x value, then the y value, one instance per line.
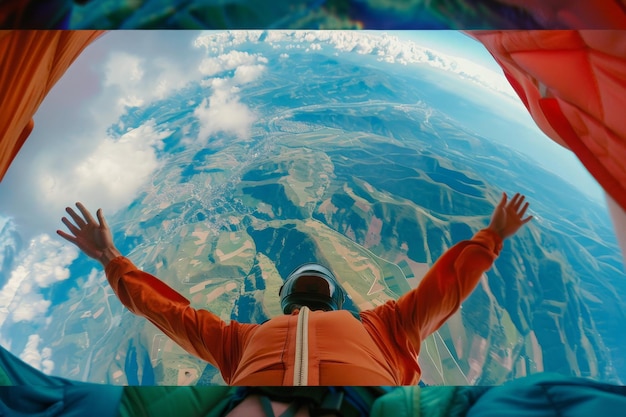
pixel 315 347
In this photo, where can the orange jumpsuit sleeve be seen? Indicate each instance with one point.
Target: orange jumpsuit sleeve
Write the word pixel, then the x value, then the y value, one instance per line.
pixel 447 284
pixel 198 331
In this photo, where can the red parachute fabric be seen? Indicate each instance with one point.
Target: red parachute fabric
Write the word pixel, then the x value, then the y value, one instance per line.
pixel 573 83
pixel 574 14
pixel 31 63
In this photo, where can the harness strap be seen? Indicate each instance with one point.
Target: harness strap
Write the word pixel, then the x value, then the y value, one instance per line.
pixel 267 406
pixel 332 403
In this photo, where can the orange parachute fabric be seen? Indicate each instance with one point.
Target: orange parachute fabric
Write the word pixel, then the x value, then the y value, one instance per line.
pixel 31 63
pixel 573 83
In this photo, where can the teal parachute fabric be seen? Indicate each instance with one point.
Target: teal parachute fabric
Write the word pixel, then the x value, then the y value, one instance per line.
pixel 539 395
pixel 551 395
pixel 36 394
pixel 29 392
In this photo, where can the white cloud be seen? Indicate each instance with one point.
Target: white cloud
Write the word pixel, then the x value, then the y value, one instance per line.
pixel 124 70
pixel 131 80
pixel 129 101
pixel 217 43
pixel 248 73
pixel 10 243
pixel 38 359
pixel 110 176
pixel 46 271
pixel 92 278
pixel 42 264
pixel 223 112
pixel 31 307
pixel 231 60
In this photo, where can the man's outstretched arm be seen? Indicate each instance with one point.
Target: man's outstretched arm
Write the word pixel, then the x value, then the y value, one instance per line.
pixel 458 271
pixel 200 332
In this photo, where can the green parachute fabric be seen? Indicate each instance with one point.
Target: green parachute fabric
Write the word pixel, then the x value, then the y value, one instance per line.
pixel 32 62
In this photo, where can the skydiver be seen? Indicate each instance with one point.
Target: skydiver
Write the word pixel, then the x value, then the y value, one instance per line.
pixel 315 342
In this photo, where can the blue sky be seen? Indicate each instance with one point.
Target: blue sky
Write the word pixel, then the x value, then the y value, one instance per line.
pixel 71 155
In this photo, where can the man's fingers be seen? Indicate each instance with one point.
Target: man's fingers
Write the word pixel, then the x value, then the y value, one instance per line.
pixel 70 226
pixel 77 219
pixel 502 202
pixel 517 201
pixel 67 237
pixel 86 213
pixel 523 211
pixel 101 219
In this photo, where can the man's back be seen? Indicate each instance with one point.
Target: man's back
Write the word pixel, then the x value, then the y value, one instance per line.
pixel 314 348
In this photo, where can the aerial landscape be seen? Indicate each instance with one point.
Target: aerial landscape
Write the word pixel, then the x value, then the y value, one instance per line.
pixel 361 165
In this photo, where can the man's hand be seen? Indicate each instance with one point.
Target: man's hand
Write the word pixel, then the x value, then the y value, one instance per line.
pixel 93 238
pixel 507 219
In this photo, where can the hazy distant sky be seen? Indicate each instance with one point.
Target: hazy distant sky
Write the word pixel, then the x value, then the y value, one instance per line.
pixel 452 43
